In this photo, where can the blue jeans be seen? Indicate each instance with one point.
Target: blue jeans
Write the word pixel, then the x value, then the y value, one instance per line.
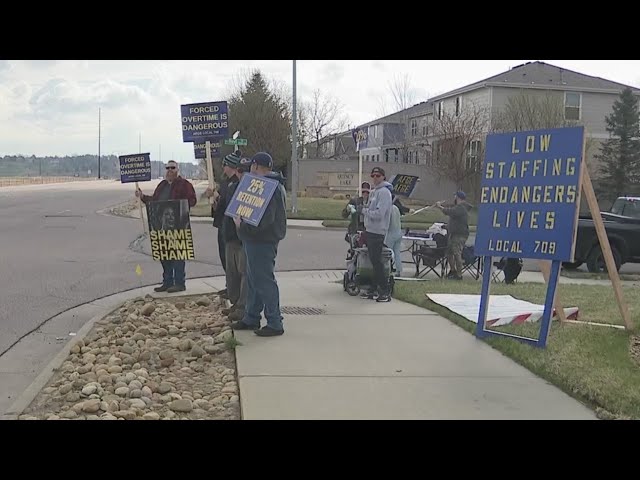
pixel 262 291
pixel 173 273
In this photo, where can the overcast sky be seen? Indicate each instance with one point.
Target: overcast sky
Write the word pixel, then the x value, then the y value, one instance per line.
pixel 50 107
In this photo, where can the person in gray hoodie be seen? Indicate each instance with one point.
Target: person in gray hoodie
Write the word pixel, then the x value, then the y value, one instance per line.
pixel 377 214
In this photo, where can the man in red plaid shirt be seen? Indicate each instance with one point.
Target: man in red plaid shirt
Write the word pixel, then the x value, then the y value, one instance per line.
pixel 173 187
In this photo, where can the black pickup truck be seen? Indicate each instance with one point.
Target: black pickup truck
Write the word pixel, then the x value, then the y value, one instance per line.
pixel 622 225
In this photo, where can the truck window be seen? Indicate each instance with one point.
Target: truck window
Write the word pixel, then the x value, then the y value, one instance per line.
pixel 627 208
pixel 632 209
pixel 618 206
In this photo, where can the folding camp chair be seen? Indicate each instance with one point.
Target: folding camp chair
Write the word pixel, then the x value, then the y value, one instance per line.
pixel 506 270
pixel 433 258
pixel 471 263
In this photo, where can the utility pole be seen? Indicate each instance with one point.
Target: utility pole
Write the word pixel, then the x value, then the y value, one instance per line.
pixel 99 120
pixel 294 149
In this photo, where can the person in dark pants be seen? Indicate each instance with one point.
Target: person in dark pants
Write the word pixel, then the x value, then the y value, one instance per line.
pixel 457 231
pixel 235 255
pixel 261 247
pixel 219 206
pixel 377 216
pixel 173 187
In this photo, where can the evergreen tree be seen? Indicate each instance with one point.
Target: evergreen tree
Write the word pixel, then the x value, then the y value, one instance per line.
pixel 620 155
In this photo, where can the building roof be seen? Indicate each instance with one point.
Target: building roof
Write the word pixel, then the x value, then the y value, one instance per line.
pixel 543 75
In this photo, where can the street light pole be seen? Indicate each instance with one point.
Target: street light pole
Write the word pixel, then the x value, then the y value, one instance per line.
pixel 99 118
pixel 294 149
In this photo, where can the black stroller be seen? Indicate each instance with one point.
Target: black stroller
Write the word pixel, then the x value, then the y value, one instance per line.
pixel 359 268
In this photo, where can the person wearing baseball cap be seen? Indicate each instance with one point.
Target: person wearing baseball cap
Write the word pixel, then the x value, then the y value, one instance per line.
pixel 261 247
pixel 457 231
pixel 353 211
pixel 219 205
pixel 377 216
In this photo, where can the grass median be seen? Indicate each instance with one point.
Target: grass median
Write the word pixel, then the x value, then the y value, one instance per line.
pixel 595 364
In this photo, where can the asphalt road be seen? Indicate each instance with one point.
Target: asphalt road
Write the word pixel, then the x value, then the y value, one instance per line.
pixel 59 252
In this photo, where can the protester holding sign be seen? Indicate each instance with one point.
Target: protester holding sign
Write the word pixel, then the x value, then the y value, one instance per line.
pixel 219 206
pixel 234 251
pixel 173 187
pixel 261 247
pixel 458 232
pixel 377 215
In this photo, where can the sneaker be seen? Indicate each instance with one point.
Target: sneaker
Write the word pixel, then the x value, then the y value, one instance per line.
pixel 240 325
pixel 267 331
pixel 369 295
pixel 383 298
pixel 176 288
pixel 162 288
pixel 236 315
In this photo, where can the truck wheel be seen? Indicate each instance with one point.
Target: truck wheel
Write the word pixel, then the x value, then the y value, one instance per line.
pixel 571 265
pixel 596 264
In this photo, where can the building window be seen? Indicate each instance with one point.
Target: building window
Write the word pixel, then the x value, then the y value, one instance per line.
pixel 572 104
pixel 410 157
pixel 458 106
pixel 366 158
pixel 440 110
pixel 473 156
pixel 414 127
pixel 425 128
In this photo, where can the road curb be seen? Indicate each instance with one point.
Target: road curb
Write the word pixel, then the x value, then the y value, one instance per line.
pixel 31 392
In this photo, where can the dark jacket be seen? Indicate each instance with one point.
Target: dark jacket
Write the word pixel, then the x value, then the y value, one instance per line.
pixel 356 222
pixel 458 219
pixel 181 188
pixel 403 210
pixel 228 226
pixel 217 209
pixel 273 226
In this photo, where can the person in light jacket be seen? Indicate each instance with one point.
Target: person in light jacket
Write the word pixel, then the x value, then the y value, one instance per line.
pixel 393 239
pixel 377 215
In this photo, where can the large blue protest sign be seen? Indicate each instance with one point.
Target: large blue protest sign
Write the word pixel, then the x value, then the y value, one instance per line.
pixel 200 150
pixel 404 184
pixel 135 168
pixel 530 194
pixel 202 120
pixel 251 198
pixel 529 204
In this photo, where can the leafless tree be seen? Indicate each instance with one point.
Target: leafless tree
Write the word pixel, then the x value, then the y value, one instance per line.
pixel 458 148
pixel 325 119
pixel 531 112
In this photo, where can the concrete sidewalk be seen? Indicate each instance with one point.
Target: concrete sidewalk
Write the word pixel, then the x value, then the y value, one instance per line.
pixel 341 357
pixel 357 359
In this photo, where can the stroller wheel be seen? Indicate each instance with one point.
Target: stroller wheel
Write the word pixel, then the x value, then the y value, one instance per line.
pixel 345 281
pixel 353 289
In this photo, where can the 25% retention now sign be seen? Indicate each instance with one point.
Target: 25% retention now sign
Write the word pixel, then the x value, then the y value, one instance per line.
pixel 251 198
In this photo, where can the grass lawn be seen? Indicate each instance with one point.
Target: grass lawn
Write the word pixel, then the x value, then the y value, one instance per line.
pixel 331 211
pixel 591 363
